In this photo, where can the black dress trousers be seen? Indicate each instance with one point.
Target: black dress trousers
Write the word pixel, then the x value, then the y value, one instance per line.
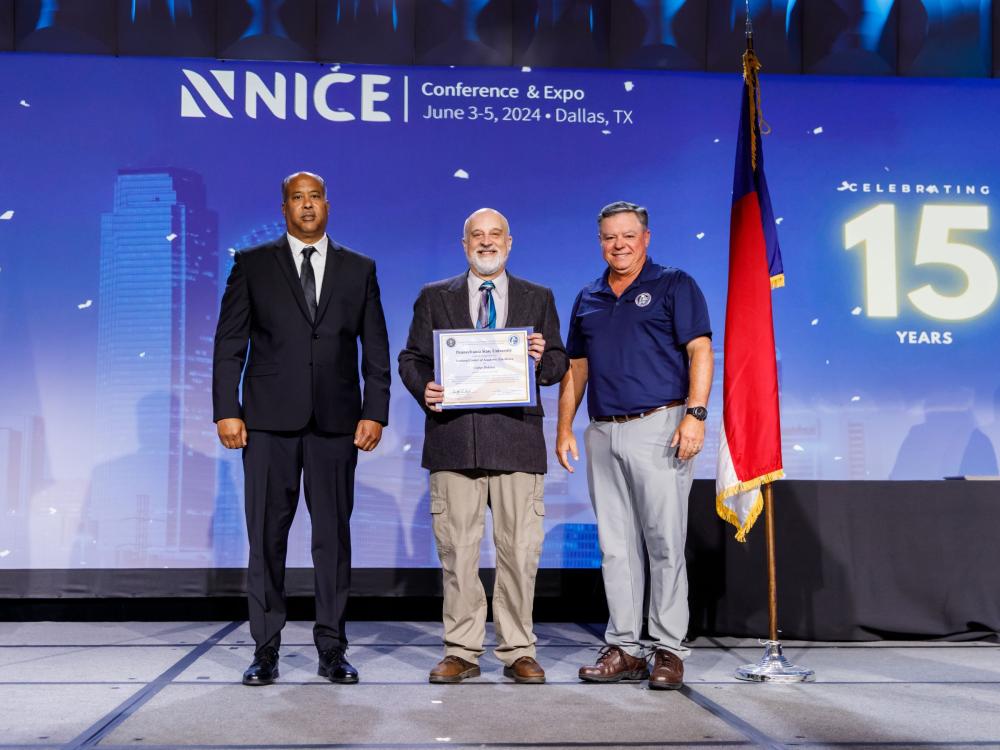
pixel 273 463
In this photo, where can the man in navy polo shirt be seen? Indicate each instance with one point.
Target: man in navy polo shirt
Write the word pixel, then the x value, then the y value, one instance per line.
pixel 640 337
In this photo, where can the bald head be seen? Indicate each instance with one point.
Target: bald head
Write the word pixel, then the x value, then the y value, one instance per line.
pixel 485 213
pixel 487 242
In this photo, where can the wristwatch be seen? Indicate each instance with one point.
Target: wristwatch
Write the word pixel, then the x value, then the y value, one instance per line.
pixel 698 412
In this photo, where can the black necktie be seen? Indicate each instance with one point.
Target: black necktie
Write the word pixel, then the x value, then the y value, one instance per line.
pixel 308 278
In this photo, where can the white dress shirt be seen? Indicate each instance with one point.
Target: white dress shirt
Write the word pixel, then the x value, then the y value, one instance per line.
pixel 318 259
pixel 499 297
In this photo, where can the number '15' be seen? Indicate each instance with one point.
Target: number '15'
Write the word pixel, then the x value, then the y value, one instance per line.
pixel 876 229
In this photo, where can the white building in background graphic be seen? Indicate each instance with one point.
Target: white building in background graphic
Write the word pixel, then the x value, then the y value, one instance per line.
pixel 156 308
pixel 22 474
pixel 22 447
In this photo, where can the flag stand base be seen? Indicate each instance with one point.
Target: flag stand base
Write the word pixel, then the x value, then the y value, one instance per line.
pixel 774 667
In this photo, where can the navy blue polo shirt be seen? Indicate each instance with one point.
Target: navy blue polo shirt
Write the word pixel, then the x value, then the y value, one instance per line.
pixel 635 344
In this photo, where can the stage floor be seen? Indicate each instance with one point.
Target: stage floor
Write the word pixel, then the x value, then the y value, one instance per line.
pixel 167 685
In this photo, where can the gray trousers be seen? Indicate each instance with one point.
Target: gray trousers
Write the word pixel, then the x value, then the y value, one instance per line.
pixel 640 494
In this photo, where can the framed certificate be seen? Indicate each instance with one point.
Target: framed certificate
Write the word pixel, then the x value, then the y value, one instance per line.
pixel 484 367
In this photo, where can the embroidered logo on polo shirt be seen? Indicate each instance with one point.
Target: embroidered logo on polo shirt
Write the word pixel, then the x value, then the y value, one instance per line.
pixel 643 299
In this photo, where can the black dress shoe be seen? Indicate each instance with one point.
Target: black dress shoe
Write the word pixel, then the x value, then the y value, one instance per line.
pixel 264 669
pixel 334 667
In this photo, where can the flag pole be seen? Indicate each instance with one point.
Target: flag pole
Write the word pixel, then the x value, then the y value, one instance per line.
pixel 773 666
pixel 772 573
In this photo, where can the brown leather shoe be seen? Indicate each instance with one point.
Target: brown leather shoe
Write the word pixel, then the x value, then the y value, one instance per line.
pixel 614 665
pixel 525 670
pixel 453 669
pixel 668 671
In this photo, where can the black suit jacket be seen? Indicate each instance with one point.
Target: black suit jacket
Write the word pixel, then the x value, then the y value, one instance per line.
pixel 298 369
pixel 493 439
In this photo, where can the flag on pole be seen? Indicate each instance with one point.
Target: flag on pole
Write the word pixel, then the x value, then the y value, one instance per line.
pixel 750 444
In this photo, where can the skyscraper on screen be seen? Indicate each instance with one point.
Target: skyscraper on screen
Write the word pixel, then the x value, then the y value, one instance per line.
pixel 151 502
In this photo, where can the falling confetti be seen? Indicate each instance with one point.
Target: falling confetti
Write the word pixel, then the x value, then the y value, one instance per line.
pixel 142 355
pixel 526 69
pixel 716 140
pixel 814 322
pixel 171 237
pixel 856 311
pixel 700 235
pixel 798 448
pixel 85 305
pixel 838 458
pixel 606 132
pixel 4 552
pixel 817 131
pixel 52 511
pixel 886 168
pixel 855 398
pixel 232 252
pixel 406 448
pixel 437 701
pixel 461 174
pixel 779 220
pixel 24 103
pixel 629 85
pixel 6 216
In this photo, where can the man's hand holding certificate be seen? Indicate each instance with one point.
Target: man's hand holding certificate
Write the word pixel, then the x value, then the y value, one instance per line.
pixel 479 368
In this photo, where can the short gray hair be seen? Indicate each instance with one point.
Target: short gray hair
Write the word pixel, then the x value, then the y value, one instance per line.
pixel 624 207
pixel 293 175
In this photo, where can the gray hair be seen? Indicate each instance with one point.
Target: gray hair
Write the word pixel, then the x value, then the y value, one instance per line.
pixel 293 175
pixel 624 207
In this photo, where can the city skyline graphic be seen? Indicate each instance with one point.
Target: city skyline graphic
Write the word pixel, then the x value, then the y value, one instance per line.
pixel 108 456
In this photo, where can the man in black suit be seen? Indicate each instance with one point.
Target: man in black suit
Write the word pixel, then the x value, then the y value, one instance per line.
pixel 302 303
pixel 480 457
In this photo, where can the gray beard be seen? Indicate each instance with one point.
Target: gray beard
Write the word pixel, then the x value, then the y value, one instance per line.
pixel 482 269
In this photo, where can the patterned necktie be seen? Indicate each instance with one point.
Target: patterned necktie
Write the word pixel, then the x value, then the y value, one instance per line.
pixel 487 310
pixel 308 279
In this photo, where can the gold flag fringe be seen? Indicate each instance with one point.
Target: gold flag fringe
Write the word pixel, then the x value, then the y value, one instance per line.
pixel 778 280
pixel 729 515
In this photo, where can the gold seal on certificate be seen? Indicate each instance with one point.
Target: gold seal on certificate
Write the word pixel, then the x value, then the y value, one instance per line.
pixel 484 367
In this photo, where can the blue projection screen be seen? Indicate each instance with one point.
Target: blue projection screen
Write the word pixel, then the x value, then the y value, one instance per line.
pixel 127 185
